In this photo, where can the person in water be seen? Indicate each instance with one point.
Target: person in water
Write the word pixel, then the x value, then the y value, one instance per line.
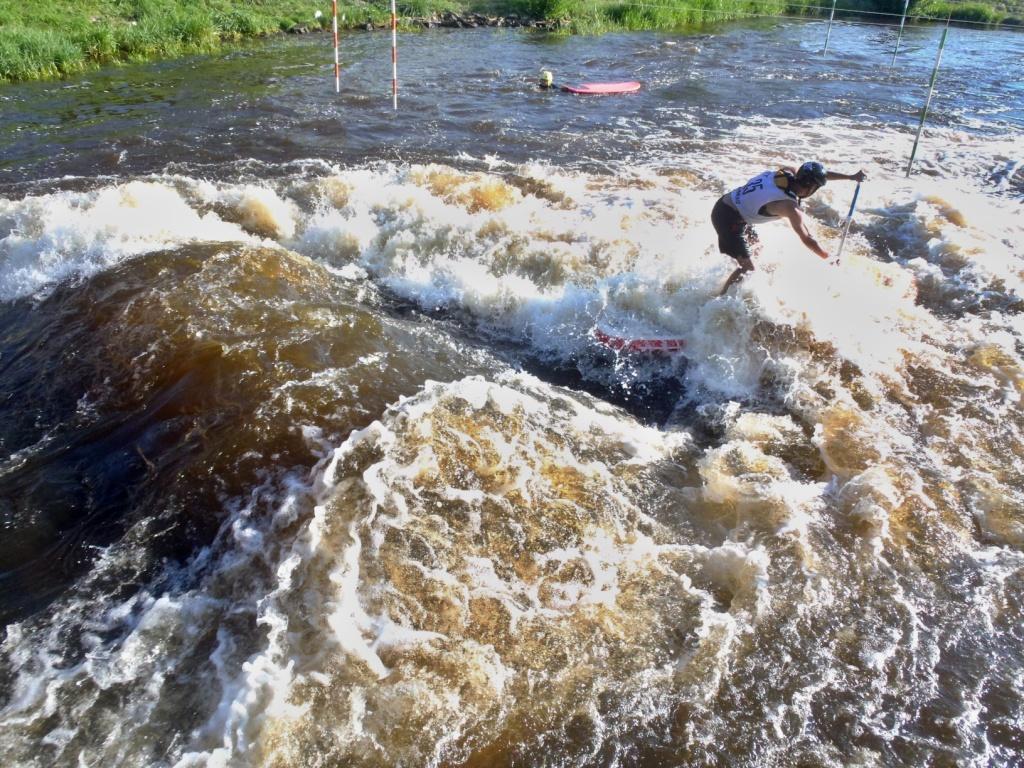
pixel 769 196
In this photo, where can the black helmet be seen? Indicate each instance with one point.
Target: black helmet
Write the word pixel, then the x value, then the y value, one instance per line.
pixel 811 174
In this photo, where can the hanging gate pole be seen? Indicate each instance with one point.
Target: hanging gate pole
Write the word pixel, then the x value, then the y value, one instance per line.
pixel 394 56
pixel 829 33
pixel 900 35
pixel 928 101
pixel 337 65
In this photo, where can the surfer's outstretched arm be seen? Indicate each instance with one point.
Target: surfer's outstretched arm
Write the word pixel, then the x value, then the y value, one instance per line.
pixel 796 220
pixel 859 176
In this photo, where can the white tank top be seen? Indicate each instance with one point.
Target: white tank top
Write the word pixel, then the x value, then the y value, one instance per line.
pixel 755 194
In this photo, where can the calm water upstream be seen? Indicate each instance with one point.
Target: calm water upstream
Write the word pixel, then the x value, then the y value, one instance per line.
pixel 308 455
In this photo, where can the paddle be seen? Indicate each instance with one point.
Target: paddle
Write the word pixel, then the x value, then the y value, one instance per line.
pixel 846 227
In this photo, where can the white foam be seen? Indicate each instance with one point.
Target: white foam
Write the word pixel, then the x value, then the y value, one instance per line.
pixel 51 238
pixel 833 345
pixel 637 253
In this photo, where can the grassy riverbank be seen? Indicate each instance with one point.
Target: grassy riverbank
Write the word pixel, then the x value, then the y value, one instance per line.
pixel 61 37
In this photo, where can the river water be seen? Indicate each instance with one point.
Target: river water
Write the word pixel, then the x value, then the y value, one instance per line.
pixel 308 455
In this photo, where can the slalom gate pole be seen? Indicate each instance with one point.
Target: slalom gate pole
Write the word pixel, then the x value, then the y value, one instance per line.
pixel 337 66
pixel 928 101
pixel 394 56
pixel 849 218
pixel 829 33
pixel 899 36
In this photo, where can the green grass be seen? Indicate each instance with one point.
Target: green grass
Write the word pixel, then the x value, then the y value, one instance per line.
pixel 959 11
pixel 52 39
pixel 55 38
pixel 662 14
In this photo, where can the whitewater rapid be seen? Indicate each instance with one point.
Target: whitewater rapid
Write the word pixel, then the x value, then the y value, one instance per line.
pixel 320 463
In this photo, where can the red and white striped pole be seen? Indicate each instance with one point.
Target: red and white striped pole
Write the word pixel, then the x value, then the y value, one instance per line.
pixel 337 65
pixel 394 56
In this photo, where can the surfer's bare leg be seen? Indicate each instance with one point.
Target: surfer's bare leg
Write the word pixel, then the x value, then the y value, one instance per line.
pixel 745 265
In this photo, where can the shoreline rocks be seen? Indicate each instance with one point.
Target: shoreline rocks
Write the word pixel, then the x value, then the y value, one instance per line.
pixel 452 20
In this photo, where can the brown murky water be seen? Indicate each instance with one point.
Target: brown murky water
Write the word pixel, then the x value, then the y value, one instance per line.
pixel 309 456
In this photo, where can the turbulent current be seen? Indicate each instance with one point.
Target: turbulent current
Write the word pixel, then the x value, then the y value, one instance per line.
pixel 309 456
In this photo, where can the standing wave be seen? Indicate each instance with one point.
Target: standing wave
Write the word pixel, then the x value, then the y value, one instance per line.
pixel 307 506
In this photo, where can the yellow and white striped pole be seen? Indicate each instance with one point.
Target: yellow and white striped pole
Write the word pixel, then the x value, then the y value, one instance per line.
pixel 337 64
pixel 394 56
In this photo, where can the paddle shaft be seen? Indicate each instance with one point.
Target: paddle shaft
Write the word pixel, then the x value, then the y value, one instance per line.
pixel 849 218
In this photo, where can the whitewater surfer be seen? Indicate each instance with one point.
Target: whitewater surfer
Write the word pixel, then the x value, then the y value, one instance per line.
pixel 769 196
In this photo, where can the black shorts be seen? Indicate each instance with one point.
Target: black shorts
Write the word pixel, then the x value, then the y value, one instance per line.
pixel 735 236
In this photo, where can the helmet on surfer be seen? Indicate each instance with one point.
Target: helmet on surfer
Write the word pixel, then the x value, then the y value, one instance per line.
pixel 811 176
pixel 769 196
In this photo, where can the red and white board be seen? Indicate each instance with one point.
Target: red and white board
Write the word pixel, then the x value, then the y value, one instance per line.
pixel 630 86
pixel 628 344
